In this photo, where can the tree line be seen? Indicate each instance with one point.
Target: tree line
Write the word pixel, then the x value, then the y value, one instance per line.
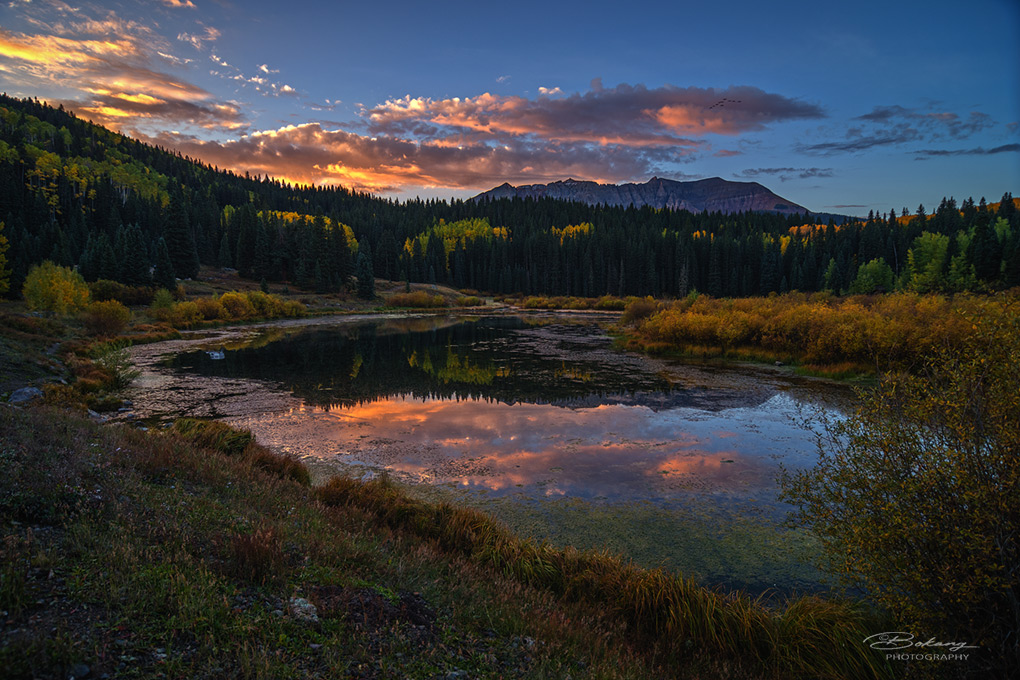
pixel 115 208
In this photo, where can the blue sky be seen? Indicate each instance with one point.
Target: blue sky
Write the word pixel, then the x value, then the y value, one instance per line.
pixel 846 108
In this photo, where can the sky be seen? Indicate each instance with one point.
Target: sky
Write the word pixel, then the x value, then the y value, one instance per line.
pixel 840 107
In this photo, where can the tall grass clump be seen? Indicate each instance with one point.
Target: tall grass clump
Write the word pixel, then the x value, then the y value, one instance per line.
pixel 666 614
pixel 231 441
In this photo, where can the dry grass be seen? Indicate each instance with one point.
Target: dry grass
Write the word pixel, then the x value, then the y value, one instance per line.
pixel 668 616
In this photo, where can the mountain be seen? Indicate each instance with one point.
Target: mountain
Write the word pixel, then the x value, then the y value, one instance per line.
pixel 714 195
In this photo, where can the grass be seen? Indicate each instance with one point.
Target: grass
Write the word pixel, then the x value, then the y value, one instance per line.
pixel 177 553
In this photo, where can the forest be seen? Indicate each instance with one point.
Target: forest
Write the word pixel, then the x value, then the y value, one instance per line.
pixel 119 209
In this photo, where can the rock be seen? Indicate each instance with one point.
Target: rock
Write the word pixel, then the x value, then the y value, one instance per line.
pixel 302 610
pixel 80 670
pixel 456 675
pixel 25 395
pixel 97 417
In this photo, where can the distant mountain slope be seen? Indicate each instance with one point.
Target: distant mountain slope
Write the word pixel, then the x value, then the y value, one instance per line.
pixel 714 195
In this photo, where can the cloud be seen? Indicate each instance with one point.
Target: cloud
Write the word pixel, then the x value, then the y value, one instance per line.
pixel 925 154
pixel 330 105
pixel 179 4
pixel 549 91
pixel 607 134
pixel 311 154
pixel 197 40
pixel 896 125
pixel 112 64
pixel 503 79
pixel 785 174
pixel 624 115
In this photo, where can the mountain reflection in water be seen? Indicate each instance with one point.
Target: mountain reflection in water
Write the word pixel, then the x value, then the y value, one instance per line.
pixel 510 406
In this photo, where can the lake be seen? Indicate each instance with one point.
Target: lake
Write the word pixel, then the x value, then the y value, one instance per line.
pixel 537 419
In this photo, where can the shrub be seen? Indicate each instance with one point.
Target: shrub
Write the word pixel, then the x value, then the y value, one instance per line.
pixel 104 289
pixel 52 288
pixel 238 305
pixel 469 301
pixel 185 313
pixel 639 309
pixel 611 303
pixel 106 318
pixel 162 305
pixel 293 309
pixel 211 309
pixel 418 298
pixel 915 496
pixel 265 306
pixel 117 365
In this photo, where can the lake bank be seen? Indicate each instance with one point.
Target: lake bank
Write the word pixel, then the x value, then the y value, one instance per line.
pixel 659 435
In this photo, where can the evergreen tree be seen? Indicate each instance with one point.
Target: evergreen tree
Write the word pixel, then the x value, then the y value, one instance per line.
pixel 387 256
pixel 223 258
pixel 366 277
pixel 180 242
pixel 247 222
pixel 163 274
pixel 106 258
pixel 132 257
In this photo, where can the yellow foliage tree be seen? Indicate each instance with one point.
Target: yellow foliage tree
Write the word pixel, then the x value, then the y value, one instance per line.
pixel 915 497
pixel 53 288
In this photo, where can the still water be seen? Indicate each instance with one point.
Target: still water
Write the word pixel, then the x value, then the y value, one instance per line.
pixel 541 421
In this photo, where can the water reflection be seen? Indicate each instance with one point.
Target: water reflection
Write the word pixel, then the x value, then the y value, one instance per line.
pixel 502 359
pixel 514 407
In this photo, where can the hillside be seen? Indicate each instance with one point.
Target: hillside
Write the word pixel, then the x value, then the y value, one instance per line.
pixel 118 209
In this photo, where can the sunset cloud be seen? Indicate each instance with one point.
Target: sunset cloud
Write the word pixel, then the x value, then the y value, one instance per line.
pixel 310 154
pixel 608 134
pixel 179 4
pixel 625 115
pixel 112 64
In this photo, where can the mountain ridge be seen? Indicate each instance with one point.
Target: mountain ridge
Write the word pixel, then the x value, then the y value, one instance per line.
pixel 712 194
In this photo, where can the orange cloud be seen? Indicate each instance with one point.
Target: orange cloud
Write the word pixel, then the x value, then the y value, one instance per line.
pixel 633 116
pixel 122 88
pixel 310 154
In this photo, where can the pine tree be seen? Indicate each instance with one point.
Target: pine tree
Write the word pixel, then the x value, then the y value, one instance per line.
pixel 134 262
pixel 248 226
pixel 366 277
pixel 106 258
pixel 223 258
pixel 163 274
pixel 180 242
